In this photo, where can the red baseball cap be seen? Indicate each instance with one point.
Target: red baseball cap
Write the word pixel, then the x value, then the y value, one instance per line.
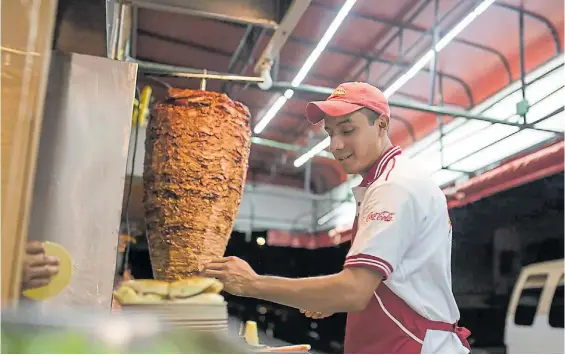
pixel 348 98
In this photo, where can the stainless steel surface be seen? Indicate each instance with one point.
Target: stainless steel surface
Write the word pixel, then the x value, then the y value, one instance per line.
pixel 256 12
pixel 79 184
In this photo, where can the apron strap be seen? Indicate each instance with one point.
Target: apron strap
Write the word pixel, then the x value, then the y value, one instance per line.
pixel 461 332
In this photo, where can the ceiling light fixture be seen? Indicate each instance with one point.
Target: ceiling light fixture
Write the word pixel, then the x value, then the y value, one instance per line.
pixel 281 100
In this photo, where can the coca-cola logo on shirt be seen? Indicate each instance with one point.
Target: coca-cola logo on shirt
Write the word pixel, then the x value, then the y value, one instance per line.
pixel 384 216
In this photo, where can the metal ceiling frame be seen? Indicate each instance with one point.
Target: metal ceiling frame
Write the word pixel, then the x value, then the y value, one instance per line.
pixel 293 14
pixel 157 69
pixel 409 26
pixel 307 42
pixel 401 64
pixel 435 30
pixel 558 135
pixel 376 58
pixel 264 64
pixel 454 113
pixel 247 46
pixel 372 59
pixel 434 73
pixel 300 129
pixel 439 113
pixel 400 34
pixel 253 47
pixel 438 110
pixel 169 70
pixel 539 18
pixel 425 33
pixel 421 30
pixel 534 16
pixel 217 51
pixel 208 10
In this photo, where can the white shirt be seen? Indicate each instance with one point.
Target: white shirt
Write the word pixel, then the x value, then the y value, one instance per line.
pixel 404 232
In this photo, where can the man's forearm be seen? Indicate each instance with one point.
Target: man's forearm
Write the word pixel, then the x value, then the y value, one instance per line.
pixel 328 294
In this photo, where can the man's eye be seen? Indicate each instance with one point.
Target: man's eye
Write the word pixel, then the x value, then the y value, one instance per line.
pixel 348 131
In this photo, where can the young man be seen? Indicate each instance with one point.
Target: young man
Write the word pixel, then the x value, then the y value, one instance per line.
pixel 396 280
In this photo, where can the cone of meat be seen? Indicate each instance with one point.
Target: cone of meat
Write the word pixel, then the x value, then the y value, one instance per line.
pixel 196 159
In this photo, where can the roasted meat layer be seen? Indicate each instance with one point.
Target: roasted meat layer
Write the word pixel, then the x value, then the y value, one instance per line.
pixel 196 160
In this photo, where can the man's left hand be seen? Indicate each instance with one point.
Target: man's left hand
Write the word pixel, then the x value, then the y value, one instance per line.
pixel 315 315
pixel 236 274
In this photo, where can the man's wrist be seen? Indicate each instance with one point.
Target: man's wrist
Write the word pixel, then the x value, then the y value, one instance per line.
pixel 254 289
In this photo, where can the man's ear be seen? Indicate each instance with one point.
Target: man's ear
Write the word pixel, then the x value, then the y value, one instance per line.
pixel 383 123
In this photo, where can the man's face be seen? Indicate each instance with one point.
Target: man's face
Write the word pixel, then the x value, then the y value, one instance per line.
pixel 355 143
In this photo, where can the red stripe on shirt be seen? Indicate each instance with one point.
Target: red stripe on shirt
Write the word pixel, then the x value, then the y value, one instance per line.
pixel 393 164
pixel 386 159
pixel 370 261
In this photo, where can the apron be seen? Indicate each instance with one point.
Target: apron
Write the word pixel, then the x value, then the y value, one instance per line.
pixel 390 325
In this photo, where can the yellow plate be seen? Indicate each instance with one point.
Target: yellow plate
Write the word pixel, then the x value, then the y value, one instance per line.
pixel 60 281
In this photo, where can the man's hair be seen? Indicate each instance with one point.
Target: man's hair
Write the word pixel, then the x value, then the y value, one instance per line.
pixel 372 116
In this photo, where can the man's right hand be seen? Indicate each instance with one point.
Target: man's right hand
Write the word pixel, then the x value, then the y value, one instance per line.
pixel 38 268
pixel 315 315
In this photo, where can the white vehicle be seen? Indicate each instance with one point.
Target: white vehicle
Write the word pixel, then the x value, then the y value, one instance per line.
pixel 534 322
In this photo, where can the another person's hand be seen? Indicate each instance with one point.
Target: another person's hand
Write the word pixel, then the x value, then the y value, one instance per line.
pixel 315 315
pixel 236 274
pixel 38 268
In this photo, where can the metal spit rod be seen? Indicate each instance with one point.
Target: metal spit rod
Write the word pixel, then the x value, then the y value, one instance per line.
pixel 207 75
pixel 203 82
pixel 170 70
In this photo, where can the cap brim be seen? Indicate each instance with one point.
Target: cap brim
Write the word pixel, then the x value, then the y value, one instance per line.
pixel 317 110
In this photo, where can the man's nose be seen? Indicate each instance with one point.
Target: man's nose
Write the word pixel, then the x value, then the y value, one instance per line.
pixel 335 144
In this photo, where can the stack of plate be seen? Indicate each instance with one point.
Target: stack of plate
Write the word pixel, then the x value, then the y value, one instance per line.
pixel 200 317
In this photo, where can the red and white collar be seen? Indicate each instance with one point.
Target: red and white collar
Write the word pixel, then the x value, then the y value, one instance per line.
pixel 378 168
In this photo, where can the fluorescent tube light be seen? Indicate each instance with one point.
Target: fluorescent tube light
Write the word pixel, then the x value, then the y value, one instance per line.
pixel 273 111
pixel 461 25
pixel 330 32
pixel 422 62
pixel 310 154
pixel 259 127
